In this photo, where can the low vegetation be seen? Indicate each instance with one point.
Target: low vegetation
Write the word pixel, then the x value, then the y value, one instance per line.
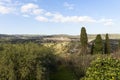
pixel 107 68
pixel 25 61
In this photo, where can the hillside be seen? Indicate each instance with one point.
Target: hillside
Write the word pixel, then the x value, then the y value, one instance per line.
pixel 54 38
pixel 61 43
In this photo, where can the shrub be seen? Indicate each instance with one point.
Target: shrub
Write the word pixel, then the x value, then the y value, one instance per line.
pixel 103 69
pixel 98 45
pixel 28 61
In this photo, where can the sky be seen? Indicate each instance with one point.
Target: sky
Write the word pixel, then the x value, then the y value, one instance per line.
pixel 47 17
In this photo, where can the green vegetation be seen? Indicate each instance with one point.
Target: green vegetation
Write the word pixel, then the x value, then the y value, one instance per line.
pixel 63 73
pixel 107 45
pixel 83 40
pixel 60 58
pixel 103 69
pixel 25 61
pixel 98 45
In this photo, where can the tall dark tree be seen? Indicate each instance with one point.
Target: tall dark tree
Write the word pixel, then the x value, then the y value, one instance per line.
pixel 107 44
pixel 118 44
pixel 98 45
pixel 118 47
pixel 83 41
pixel 92 47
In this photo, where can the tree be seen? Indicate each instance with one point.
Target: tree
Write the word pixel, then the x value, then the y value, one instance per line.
pixel 107 68
pixel 28 61
pixel 92 47
pixel 98 45
pixel 118 47
pixel 107 45
pixel 83 40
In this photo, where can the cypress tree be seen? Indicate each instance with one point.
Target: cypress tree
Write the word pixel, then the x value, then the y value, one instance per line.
pixel 98 45
pixel 118 44
pixel 92 47
pixel 107 44
pixel 83 40
pixel 118 47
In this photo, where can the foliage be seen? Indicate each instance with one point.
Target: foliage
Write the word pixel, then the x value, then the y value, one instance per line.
pixel 118 46
pixel 25 61
pixel 98 45
pixel 83 40
pixel 63 73
pixel 107 68
pixel 107 45
pixel 79 64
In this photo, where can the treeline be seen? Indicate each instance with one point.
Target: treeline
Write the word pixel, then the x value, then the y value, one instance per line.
pixel 28 61
pixel 98 46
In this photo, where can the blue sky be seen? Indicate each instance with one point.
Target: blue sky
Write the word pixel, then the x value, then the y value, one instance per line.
pixel 59 16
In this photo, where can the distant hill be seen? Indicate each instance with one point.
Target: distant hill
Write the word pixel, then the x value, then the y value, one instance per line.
pixel 61 37
pixel 61 40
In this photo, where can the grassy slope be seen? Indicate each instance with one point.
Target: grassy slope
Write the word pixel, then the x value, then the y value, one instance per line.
pixel 63 73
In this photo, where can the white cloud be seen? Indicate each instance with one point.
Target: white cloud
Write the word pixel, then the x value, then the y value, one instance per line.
pixel 57 17
pixel 48 14
pixel 106 22
pixel 69 6
pixel 78 19
pixel 10 3
pixel 31 8
pixel 38 11
pixel 28 7
pixel 41 19
pixel 86 19
pixel 11 6
pixel 5 10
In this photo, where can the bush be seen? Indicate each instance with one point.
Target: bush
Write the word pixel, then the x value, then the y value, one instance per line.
pixel 103 69
pixel 28 61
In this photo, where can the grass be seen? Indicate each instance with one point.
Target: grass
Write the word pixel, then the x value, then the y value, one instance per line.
pixel 63 73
